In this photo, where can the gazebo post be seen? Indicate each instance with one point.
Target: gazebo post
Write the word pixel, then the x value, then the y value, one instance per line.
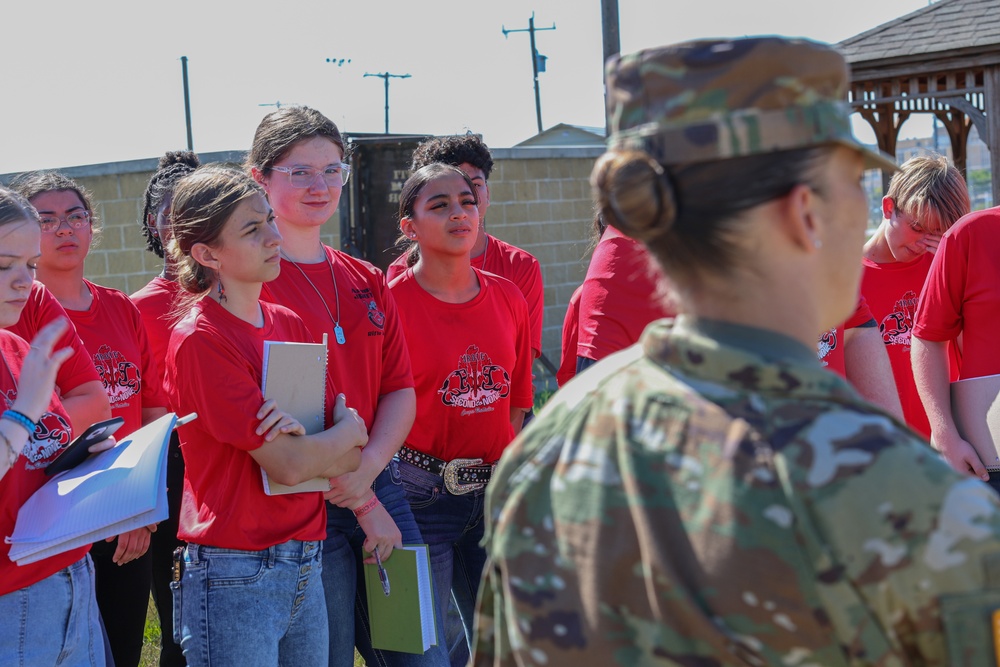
pixel 991 101
pixel 885 122
pixel 958 126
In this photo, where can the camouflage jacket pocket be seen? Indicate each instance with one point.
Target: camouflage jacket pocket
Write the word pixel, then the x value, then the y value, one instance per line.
pixel 972 628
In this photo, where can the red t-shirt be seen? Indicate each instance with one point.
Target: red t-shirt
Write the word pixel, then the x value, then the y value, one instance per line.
pixel 112 330
pixel 41 309
pixel 516 265
pixel 892 291
pixel 830 348
pixel 962 293
pixel 621 295
pixel 27 475
pixel 373 361
pixel 471 363
pixel 156 303
pixel 570 336
pixel 214 363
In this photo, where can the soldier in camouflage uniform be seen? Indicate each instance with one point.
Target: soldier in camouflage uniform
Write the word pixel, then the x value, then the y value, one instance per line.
pixel 712 496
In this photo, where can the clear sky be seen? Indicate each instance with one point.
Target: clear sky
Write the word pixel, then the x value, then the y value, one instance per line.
pixel 90 81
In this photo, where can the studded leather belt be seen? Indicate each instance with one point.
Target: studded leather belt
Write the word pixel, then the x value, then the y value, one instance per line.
pixel 460 476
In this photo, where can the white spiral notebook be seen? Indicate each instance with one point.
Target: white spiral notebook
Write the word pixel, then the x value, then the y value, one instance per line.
pixel 294 375
pixel 110 493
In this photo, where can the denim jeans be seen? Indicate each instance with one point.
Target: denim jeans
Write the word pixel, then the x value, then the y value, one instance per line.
pixel 252 608
pixel 54 621
pixel 452 527
pixel 343 581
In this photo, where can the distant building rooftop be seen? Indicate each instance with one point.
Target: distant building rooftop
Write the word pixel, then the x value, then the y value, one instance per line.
pixel 565 134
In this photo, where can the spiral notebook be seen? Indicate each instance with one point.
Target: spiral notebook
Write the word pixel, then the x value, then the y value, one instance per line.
pixel 110 493
pixel 294 375
pixel 404 620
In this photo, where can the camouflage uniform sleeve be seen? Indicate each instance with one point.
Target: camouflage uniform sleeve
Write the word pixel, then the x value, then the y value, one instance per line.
pixel 902 544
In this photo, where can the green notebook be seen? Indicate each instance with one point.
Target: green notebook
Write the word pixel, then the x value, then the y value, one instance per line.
pixel 405 619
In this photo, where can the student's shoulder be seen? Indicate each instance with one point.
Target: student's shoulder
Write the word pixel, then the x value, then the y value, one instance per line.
pixel 362 269
pixel 517 258
pixel 502 284
pixel 112 298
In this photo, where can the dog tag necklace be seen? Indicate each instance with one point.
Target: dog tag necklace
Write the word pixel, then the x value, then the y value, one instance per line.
pixel 338 331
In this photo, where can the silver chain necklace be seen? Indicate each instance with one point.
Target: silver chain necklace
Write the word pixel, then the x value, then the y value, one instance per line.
pixel 338 332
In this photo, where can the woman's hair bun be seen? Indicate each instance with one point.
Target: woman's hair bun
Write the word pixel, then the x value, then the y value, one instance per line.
pixel 634 193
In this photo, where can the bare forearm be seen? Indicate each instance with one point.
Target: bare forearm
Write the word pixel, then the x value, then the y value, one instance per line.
pixel 86 404
pixel 393 420
pixel 517 419
pixel 869 370
pixel 933 379
pixel 292 459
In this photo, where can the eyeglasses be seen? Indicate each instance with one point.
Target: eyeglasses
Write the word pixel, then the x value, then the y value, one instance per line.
pixel 333 176
pixel 75 220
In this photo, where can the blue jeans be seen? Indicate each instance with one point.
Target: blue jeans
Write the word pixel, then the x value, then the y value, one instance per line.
pixel 452 527
pixel 251 608
pixel 343 580
pixel 54 621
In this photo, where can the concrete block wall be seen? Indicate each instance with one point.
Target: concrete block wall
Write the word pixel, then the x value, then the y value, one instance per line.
pixel 540 201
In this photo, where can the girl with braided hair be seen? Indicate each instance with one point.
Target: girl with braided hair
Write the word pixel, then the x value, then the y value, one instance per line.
pixel 155 303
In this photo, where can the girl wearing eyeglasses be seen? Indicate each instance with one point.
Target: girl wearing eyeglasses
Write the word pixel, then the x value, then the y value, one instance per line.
pixel 111 328
pixel 469 338
pixel 48 608
pixel 251 591
pixel 298 157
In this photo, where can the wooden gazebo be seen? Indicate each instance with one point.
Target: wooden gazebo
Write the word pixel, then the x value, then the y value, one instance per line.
pixel 942 59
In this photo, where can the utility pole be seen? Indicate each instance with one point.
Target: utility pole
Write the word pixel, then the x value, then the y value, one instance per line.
pixel 612 42
pixel 536 59
pixel 187 102
pixel 385 76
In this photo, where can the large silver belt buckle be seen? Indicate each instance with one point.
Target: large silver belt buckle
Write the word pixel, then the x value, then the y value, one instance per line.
pixel 455 487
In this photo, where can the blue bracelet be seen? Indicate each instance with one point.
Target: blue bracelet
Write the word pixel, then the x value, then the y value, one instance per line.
pixel 20 419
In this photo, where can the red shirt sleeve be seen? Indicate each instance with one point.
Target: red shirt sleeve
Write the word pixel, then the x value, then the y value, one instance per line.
pixel 570 332
pixel 41 309
pixel 939 310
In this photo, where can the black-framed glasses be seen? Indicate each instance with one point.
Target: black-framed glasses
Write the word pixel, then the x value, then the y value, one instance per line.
pixel 75 220
pixel 334 176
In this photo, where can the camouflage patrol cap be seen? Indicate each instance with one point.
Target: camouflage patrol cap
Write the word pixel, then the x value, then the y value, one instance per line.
pixel 718 99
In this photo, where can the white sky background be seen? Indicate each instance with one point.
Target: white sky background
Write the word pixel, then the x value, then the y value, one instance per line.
pixel 96 81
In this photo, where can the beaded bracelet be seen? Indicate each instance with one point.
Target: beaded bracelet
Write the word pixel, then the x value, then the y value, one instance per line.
pixel 366 508
pixel 20 419
pixel 11 454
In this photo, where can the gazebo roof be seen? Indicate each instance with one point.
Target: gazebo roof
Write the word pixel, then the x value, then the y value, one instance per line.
pixel 951 33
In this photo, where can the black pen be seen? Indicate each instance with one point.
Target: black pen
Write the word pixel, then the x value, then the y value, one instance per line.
pixel 383 576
